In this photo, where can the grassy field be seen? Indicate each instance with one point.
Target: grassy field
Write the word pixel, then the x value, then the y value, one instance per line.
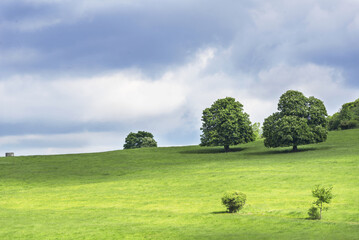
pixel 174 193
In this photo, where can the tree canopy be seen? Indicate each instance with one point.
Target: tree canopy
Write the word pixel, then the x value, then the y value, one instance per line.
pixel 225 124
pixel 299 120
pixel 139 140
pixel 346 118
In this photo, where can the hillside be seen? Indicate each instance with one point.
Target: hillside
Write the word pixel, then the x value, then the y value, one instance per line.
pixel 174 193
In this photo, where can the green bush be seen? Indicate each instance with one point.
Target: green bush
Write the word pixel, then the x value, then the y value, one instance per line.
pixel 313 213
pixel 234 201
pixel 348 124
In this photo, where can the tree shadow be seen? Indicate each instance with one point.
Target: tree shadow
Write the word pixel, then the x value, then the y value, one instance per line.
pixel 310 219
pixel 212 150
pixel 288 151
pixel 219 212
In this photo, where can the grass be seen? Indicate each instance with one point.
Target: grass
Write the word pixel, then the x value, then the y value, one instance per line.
pixel 174 193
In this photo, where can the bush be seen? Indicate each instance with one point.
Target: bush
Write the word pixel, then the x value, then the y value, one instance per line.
pixel 313 213
pixel 234 201
pixel 348 124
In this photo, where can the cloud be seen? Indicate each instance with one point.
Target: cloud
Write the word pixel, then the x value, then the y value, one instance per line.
pixel 29 24
pixel 118 96
pixel 169 105
pixel 118 66
pixel 46 144
pixel 88 37
pixel 323 82
pixel 18 56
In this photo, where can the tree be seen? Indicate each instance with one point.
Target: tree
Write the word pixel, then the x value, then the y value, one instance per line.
pixel 234 201
pixel 225 124
pixel 300 121
pixel 139 140
pixel 323 195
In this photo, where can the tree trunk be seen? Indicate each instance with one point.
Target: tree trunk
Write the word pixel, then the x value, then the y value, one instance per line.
pixel 226 148
pixel 295 148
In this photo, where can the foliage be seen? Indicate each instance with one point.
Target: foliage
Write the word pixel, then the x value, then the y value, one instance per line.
pixel 348 124
pixel 225 124
pixel 257 130
pixel 139 140
pixel 148 142
pixel 334 121
pixel 346 118
pixel 323 195
pixel 313 213
pixel 300 121
pixel 234 201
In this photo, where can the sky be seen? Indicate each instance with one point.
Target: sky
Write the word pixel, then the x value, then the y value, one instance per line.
pixel 78 76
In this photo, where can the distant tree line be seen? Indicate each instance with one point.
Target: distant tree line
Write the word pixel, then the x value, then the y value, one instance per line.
pixel 346 118
pixel 300 120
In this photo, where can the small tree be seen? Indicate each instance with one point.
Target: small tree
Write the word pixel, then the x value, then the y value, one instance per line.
pixel 300 121
pixel 323 195
pixel 234 201
pixel 225 124
pixel 139 140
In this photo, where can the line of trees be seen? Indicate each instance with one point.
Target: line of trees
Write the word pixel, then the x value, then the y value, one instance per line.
pixel 299 120
pixel 346 118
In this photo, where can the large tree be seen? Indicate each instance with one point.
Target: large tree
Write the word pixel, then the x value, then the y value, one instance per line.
pixel 300 120
pixel 139 140
pixel 225 124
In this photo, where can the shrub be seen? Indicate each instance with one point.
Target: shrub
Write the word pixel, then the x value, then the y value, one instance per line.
pixel 234 201
pixel 348 124
pixel 313 213
pixel 334 122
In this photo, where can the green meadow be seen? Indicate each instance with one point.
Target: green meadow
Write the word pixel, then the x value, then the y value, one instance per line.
pixel 175 193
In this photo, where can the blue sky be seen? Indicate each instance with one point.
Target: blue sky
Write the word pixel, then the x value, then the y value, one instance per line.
pixel 78 76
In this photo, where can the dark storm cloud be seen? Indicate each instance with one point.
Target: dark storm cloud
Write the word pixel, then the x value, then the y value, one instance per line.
pixel 147 37
pixel 71 38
